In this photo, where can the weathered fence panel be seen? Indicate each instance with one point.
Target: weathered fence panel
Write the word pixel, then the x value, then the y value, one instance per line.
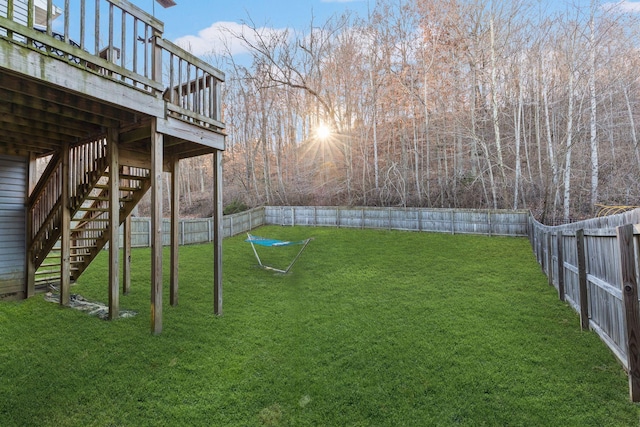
pixel 410 219
pixel 499 223
pixel 587 261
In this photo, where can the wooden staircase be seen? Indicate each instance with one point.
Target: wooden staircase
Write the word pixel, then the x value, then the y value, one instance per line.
pixel 89 210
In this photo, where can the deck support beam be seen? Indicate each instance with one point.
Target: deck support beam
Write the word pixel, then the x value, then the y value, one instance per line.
pixel 156 229
pixel 175 231
pixel 114 223
pixel 217 232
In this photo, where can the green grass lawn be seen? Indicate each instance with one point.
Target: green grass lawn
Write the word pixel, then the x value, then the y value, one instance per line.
pixel 372 328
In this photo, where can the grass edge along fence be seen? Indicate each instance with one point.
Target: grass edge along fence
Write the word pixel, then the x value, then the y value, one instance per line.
pixel 593 265
pixel 454 221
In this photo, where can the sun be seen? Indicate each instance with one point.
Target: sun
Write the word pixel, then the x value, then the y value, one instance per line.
pixel 323 132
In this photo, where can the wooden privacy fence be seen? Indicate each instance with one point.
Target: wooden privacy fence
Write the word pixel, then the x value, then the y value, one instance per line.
pixel 486 222
pixel 454 221
pixel 594 267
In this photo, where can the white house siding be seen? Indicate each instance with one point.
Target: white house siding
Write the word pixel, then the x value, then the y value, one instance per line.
pixel 19 10
pixel 13 177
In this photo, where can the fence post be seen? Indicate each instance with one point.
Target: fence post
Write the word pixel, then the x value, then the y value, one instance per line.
pixel 550 258
pixel 453 222
pixel 582 277
pixel 631 306
pixel 560 266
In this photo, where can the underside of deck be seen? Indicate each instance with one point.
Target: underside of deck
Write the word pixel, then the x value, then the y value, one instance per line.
pixel 110 128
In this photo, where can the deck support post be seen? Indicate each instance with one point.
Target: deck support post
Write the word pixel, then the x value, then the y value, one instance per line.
pixel 65 229
pixel 126 257
pixel 114 223
pixel 175 224
pixel 30 280
pixel 631 306
pixel 217 233
pixel 156 228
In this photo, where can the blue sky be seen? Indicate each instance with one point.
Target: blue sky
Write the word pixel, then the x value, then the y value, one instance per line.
pixel 199 22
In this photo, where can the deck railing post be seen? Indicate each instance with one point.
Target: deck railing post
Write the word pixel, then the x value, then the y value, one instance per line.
pixel 631 306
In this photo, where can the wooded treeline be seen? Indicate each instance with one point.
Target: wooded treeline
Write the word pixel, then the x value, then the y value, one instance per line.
pixel 441 103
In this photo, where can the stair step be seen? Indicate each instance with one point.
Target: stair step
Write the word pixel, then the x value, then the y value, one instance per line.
pixel 49 265
pixel 106 199
pixel 128 176
pixel 46 279
pixel 94 209
pixel 47 272
pixel 121 188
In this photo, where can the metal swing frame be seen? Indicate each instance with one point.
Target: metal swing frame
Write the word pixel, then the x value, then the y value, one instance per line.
pixel 252 239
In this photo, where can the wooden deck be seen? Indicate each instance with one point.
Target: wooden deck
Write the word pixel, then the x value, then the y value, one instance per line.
pixel 115 105
pixel 57 92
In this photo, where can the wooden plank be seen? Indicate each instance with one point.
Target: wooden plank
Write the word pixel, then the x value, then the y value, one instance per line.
pixel 175 228
pixel 582 277
pixel 114 223
pixel 40 121
pixel 631 307
pixel 190 132
pixel 156 230
pixel 608 288
pixel 560 244
pixel 65 231
pixel 196 116
pixel 48 107
pixel 59 73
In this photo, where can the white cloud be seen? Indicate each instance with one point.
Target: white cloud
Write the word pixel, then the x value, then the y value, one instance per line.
pixel 220 39
pixel 623 6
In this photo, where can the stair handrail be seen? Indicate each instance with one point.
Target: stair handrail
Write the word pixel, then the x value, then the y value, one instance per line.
pixel 87 163
pixel 45 196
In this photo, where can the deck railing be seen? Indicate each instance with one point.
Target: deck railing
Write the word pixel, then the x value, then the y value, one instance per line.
pixel 87 163
pixel 121 42
pixel 193 86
